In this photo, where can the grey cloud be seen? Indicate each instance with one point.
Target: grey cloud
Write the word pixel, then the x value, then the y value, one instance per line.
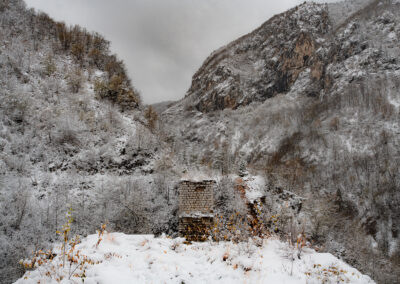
pixel 163 42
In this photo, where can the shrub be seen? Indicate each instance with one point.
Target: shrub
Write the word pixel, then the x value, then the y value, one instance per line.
pixel 151 116
pixel 288 146
pixel 95 57
pixel 3 6
pixel 334 124
pixel 101 88
pixel 64 36
pixel 100 43
pixel 21 202
pixel 116 90
pixel 77 50
pixel 326 274
pixel 17 107
pixel 243 169
pixel 114 67
pixel 236 219
pixel 69 264
pixel 109 89
pixel 74 80
pixel 67 132
pixel 49 66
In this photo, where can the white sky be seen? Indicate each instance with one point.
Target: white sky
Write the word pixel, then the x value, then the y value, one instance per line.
pixel 164 42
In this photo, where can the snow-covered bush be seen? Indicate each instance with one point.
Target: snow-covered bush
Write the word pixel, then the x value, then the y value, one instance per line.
pixel 70 263
pixel 49 67
pixel 75 80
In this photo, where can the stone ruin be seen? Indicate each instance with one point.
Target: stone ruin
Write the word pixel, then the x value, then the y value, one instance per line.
pixel 196 202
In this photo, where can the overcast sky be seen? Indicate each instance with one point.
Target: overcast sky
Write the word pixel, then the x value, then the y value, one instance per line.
pixel 164 42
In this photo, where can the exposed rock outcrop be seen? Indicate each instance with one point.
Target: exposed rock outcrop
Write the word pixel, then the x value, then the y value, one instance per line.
pixel 263 63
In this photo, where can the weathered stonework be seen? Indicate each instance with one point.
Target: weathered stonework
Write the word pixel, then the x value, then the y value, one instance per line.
pixel 196 201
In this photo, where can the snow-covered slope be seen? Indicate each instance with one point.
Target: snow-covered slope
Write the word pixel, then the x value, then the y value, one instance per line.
pixel 71 136
pixel 310 101
pixel 143 259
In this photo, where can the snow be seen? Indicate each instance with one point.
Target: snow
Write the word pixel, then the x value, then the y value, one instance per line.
pixel 196 176
pixel 255 185
pixel 394 99
pixel 196 215
pixel 124 258
pixel 392 36
pixel 99 73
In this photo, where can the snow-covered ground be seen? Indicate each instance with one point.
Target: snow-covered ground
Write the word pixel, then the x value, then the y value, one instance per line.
pixel 124 258
pixel 255 186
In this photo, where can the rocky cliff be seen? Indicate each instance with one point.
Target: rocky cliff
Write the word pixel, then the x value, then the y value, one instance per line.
pixel 269 60
pixel 263 63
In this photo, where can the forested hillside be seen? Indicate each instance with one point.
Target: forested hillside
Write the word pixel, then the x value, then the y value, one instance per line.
pixel 310 101
pixel 73 134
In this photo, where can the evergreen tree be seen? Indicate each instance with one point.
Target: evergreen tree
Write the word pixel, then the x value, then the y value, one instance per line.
pixel 243 169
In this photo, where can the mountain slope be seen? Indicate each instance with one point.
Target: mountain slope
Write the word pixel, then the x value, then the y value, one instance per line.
pixel 72 135
pixel 309 100
pixel 263 63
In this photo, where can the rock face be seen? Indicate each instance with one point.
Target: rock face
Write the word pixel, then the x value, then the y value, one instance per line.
pixel 263 63
pixel 311 100
pixel 269 60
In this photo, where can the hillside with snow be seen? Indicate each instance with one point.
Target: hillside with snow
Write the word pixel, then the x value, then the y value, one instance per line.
pixel 297 123
pixel 310 101
pixel 73 134
pixel 121 258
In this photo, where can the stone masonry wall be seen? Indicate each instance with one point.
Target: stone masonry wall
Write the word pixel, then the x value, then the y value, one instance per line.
pixel 196 197
pixel 195 229
pixel 196 201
